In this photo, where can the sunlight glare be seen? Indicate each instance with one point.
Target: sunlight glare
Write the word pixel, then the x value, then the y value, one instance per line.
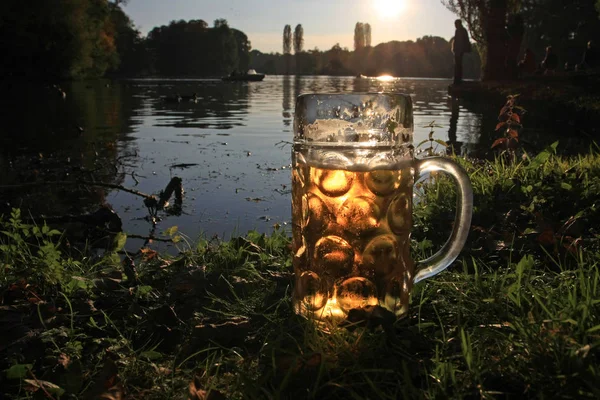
pixel 388 8
pixel 385 78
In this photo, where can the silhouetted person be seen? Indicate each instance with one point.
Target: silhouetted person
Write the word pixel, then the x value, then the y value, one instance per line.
pixel 460 46
pixel 591 58
pixel 550 61
pixel 527 65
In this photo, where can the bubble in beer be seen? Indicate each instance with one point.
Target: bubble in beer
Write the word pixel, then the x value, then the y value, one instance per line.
pixel 399 217
pixel 316 214
pixel 311 291
pixel 358 214
pixel 334 183
pixel 334 256
pixel 381 255
pixel 382 182
pixel 356 292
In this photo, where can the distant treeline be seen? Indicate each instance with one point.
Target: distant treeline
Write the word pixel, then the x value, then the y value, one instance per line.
pixel 192 48
pixel 429 56
pixel 77 39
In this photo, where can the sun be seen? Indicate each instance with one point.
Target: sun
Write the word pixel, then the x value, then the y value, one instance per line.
pixel 388 8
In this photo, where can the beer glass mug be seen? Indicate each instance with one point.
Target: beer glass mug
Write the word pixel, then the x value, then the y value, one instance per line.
pixel 352 189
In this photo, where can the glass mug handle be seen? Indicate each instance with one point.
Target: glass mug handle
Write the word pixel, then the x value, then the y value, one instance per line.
pixel 464 209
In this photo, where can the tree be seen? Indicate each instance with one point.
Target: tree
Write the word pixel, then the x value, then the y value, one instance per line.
pixel 298 39
pixel 56 39
pixel 367 29
pixel 243 48
pixel 566 26
pixel 220 22
pixel 287 39
pixel 486 21
pixel 429 56
pixel 131 49
pixel 192 48
pixel 359 36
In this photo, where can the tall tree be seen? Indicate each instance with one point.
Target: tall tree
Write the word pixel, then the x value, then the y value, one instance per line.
pixel 367 29
pixel 359 36
pixel 243 49
pixel 287 39
pixel 298 39
pixel 486 21
pixel 131 49
pixel 53 39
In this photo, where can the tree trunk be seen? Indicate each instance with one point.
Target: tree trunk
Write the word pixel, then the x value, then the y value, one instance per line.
pixel 494 25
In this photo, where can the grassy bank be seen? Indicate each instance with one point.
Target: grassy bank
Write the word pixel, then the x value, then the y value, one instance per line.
pixel 517 316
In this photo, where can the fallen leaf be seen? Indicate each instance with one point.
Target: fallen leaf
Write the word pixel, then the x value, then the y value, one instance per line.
pixel 64 360
pixel 197 393
pixel 33 385
pixel 546 238
pixel 148 254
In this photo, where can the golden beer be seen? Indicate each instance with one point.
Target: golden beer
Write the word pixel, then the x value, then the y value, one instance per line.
pixel 351 238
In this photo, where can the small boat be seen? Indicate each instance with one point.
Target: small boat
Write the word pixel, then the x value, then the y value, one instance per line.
pixel 251 75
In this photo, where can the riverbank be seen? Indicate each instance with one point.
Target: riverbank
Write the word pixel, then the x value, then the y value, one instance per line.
pixel 518 314
pixel 569 97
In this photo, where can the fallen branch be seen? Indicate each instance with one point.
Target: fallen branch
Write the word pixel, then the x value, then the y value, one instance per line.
pixel 78 183
pixel 148 238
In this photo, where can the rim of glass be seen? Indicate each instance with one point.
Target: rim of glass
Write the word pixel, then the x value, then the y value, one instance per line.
pixel 352 127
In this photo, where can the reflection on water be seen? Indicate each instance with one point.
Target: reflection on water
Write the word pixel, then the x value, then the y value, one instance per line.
pixel 231 147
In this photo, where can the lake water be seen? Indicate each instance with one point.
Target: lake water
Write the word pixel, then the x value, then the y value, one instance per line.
pixel 231 148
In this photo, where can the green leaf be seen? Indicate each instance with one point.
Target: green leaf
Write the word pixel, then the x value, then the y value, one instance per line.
pixel 441 142
pixel 144 290
pixel 171 231
pixel 594 329
pixel 18 371
pixel 540 158
pixel 48 386
pixel 151 355
pixel 566 186
pixel 423 142
pixel 525 264
pixel 119 241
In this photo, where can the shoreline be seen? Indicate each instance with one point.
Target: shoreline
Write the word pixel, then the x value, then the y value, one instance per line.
pixel 576 93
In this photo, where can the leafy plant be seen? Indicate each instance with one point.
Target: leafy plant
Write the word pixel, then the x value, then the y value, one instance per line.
pixel 510 124
pixel 431 150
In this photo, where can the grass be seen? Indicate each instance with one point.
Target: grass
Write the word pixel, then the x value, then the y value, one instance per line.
pixel 517 316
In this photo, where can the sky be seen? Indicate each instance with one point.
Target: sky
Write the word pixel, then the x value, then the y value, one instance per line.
pixel 325 22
